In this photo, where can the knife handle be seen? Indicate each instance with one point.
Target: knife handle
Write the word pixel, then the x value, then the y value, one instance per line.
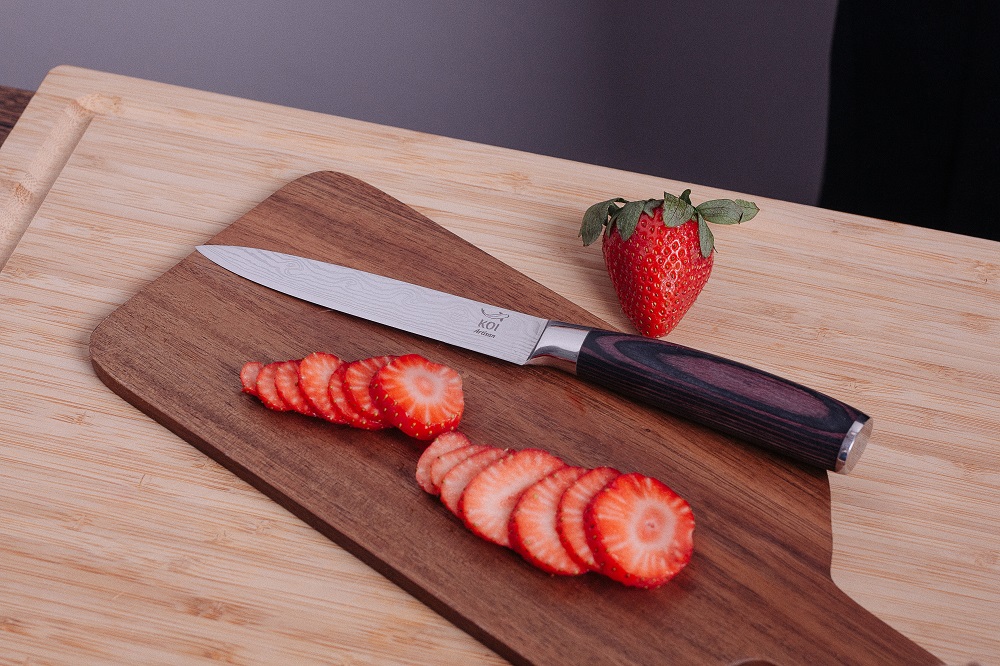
pixel 736 399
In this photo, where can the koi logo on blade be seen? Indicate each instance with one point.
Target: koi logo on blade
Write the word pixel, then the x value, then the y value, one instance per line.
pixel 490 322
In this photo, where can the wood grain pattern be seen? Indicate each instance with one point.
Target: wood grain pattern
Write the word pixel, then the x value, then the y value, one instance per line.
pixel 12 104
pixel 175 350
pixel 753 406
pixel 122 543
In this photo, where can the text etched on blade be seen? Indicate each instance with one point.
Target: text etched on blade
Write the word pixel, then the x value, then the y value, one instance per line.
pixel 490 323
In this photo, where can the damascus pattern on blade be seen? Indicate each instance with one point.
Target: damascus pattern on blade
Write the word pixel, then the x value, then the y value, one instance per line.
pixel 505 334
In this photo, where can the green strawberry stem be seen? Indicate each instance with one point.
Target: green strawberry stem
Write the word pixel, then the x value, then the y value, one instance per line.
pixel 624 215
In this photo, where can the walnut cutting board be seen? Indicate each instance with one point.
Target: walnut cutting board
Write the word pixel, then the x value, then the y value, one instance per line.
pixel 757 587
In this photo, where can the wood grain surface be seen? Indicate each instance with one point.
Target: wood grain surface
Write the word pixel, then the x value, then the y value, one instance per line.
pixel 121 543
pixel 752 406
pixel 763 538
pixel 12 104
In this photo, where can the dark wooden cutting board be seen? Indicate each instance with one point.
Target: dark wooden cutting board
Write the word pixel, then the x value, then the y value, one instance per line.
pixel 758 585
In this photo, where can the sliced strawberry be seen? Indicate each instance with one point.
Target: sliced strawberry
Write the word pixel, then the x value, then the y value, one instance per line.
pixel 248 376
pixel 286 380
pixel 421 398
pixel 532 526
pixel 446 461
pixel 488 500
pixel 569 515
pixel 453 483
pixel 445 442
pixel 357 378
pixel 338 398
pixel 640 531
pixel 267 391
pixel 315 371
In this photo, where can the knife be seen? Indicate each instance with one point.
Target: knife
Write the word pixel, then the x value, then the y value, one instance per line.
pixel 730 397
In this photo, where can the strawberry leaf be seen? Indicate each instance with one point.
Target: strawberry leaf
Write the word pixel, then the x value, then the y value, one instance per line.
pixel 750 209
pixel 627 218
pixel 721 211
pixel 676 211
pixel 624 215
pixel 595 218
pixel 706 238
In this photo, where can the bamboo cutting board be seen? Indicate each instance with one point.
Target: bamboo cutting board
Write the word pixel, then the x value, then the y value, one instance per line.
pixel 757 587
pixel 122 543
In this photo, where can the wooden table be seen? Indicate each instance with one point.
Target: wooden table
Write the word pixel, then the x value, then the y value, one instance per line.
pixel 120 543
pixel 12 103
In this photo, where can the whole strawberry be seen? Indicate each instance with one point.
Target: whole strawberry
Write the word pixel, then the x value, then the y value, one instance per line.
pixel 659 252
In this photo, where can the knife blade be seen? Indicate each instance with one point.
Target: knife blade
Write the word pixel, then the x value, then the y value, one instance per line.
pixel 747 403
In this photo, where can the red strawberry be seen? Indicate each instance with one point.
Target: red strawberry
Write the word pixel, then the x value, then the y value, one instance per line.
pixel 267 391
pixel 640 531
pixel 444 443
pixel 248 376
pixel 315 371
pixel 659 252
pixel 421 398
pixel 453 483
pixel 569 515
pixel 489 499
pixel 338 398
pixel 446 461
pixel 357 378
pixel 532 526
pixel 286 380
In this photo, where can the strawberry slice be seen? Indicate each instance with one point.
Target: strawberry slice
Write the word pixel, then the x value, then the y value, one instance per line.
pixel 248 376
pixel 569 514
pixel 453 483
pixel 266 389
pixel 488 500
pixel 357 378
pixel 446 461
pixel 532 527
pixel 445 442
pixel 421 398
pixel 286 380
pixel 640 531
pixel 340 402
pixel 315 371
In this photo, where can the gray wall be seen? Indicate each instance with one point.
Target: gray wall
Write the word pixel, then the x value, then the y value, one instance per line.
pixel 715 92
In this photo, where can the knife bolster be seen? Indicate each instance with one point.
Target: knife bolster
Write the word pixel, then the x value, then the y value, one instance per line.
pixel 559 346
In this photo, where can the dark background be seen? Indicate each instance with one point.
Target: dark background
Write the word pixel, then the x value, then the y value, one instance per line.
pixel 714 92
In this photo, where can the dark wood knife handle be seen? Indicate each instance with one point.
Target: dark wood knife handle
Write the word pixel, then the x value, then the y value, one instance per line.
pixel 736 399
